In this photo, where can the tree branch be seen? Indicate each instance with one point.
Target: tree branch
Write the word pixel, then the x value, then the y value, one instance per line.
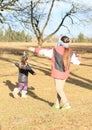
pixel 48 17
pixel 62 21
pixel 34 25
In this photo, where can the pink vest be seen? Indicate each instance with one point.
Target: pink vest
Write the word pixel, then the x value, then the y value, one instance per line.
pixel 57 69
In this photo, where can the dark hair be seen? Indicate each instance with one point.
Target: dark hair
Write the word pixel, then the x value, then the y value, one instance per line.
pixel 65 37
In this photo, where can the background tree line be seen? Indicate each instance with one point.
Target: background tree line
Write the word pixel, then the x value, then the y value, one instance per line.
pixel 13 36
pixel 38 16
pixel 82 38
pixel 20 36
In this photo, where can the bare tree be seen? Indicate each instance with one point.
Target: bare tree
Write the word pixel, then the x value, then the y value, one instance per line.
pixel 6 5
pixel 35 15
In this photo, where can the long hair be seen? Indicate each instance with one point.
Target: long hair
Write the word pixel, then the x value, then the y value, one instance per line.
pixel 66 55
pixel 66 59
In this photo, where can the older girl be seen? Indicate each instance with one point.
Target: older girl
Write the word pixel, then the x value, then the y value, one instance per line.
pixel 61 56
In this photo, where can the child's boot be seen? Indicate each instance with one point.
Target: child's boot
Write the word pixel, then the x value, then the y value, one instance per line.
pixel 23 94
pixel 15 92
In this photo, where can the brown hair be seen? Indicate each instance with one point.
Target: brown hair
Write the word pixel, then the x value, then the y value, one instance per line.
pixel 66 58
pixel 23 61
pixel 66 55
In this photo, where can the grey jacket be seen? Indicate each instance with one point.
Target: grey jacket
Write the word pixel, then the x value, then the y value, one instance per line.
pixel 23 73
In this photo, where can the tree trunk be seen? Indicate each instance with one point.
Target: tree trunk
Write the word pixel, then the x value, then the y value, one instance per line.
pixel 40 41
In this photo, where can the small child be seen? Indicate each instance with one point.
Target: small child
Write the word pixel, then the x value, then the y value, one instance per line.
pixel 24 69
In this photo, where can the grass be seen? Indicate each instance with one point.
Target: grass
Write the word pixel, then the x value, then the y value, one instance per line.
pixel 35 112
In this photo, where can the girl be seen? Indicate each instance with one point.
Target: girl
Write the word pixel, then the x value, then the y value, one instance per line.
pixel 61 56
pixel 24 69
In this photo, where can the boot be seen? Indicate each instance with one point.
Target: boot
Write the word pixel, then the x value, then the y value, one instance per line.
pixel 15 92
pixel 23 94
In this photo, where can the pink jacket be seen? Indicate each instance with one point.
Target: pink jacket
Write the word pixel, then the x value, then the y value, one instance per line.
pixel 57 69
pixel 56 54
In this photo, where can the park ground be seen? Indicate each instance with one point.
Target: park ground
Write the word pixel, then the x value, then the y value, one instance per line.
pixel 35 112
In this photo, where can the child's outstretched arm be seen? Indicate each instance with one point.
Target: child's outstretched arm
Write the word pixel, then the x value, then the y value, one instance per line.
pixel 16 64
pixel 30 70
pixel 46 52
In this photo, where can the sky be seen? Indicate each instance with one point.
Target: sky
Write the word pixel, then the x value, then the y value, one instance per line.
pixel 78 27
pixel 75 29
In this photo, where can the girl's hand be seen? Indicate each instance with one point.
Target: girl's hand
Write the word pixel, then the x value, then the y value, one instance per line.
pixel 75 59
pixel 78 56
pixel 32 49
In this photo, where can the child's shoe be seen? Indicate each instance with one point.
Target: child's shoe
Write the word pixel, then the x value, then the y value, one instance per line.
pixel 15 92
pixel 23 94
pixel 65 107
pixel 55 106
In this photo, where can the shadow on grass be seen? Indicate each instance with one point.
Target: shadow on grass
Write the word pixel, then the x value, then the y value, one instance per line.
pixel 35 96
pixel 6 59
pixel 11 86
pixel 79 81
pixel 86 65
pixel 30 92
pixel 90 81
pixel 45 70
pixel 11 51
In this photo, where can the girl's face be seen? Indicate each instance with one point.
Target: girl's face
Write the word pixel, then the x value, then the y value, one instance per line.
pixel 66 40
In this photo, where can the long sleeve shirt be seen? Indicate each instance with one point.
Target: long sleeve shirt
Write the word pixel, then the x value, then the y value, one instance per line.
pixel 23 72
pixel 56 54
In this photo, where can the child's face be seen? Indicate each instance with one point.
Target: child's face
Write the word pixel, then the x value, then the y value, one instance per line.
pixel 66 40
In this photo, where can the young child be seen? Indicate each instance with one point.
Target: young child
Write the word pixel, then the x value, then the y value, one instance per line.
pixel 24 68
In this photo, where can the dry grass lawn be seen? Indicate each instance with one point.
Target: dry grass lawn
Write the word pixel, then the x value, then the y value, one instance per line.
pixel 35 112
